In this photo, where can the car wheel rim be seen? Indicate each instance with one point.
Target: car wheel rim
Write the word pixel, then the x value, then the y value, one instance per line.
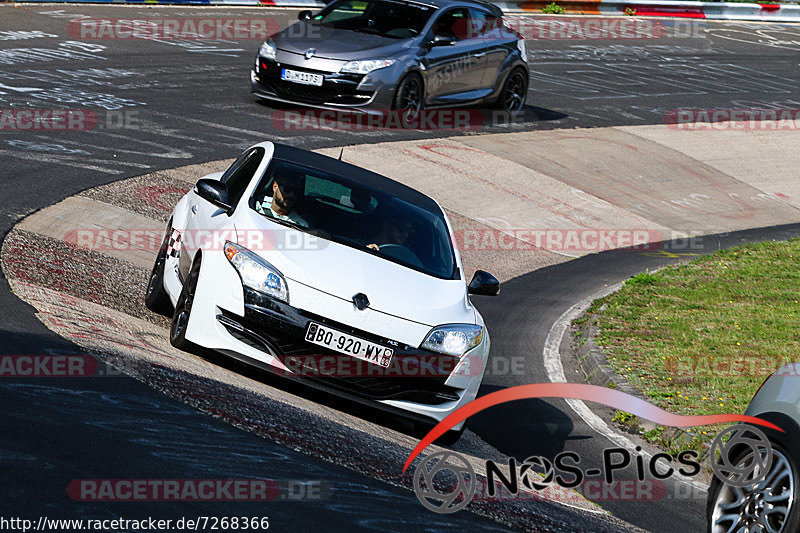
pixel 515 93
pixel 410 100
pixel 764 506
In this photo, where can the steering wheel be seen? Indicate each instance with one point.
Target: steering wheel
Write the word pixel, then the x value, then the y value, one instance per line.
pixel 403 253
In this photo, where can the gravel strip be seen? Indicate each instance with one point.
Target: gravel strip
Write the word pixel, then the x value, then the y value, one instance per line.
pixel 151 195
pixel 86 274
pixel 154 195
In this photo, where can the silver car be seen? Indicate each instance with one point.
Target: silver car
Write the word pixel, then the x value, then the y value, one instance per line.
pixel 770 505
pixel 402 55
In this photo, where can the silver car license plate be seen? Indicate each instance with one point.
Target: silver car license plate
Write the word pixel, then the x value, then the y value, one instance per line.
pixel 306 78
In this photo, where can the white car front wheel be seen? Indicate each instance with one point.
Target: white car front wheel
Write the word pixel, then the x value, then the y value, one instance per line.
pixel 183 310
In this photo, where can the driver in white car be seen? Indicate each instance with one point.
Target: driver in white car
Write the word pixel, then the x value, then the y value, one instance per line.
pixel 287 188
pixel 395 230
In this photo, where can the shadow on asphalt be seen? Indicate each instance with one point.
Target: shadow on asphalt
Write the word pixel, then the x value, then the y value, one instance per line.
pixel 538 428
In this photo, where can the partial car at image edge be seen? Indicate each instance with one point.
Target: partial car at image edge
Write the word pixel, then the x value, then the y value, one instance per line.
pixel 770 505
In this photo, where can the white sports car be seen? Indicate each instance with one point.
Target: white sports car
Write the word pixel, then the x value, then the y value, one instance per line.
pixel 327 273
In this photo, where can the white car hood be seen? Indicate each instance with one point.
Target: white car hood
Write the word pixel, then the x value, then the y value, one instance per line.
pixel 392 289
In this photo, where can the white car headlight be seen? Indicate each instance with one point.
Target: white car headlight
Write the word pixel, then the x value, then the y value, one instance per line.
pixel 366 66
pixel 523 52
pixel 453 339
pixel 268 50
pixel 256 272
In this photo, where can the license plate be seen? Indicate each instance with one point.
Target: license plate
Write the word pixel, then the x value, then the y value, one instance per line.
pixel 306 78
pixel 344 343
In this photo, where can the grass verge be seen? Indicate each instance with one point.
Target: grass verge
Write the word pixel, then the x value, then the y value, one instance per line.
pixel 700 338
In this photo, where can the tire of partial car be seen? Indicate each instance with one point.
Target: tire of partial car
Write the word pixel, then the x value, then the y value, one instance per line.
pixel 156 297
pixel 183 310
pixel 514 91
pixel 718 490
pixel 409 99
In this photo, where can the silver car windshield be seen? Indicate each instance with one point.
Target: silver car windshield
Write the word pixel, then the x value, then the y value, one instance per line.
pixel 387 18
pixel 350 213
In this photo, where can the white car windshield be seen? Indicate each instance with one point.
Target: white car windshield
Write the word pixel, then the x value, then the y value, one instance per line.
pixel 354 214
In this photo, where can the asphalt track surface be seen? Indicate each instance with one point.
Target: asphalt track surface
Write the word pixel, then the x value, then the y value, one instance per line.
pixel 192 104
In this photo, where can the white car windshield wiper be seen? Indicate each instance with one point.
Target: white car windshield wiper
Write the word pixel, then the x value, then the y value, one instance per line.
pixel 288 223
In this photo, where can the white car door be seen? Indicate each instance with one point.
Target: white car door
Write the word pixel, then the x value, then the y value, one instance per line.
pixel 209 226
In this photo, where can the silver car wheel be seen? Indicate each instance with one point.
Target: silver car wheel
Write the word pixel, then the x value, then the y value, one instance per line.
pixel 762 507
pixel 514 92
pixel 409 99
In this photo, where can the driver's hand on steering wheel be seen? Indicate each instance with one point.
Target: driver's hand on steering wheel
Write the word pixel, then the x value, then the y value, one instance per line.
pixel 373 246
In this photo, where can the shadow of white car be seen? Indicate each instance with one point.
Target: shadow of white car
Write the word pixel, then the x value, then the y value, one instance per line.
pixel 329 274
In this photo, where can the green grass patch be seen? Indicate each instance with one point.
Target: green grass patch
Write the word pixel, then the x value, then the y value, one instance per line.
pixel 623 417
pixel 553 9
pixel 700 338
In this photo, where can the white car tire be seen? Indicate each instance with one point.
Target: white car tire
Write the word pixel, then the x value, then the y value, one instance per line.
pixel 156 298
pixel 183 310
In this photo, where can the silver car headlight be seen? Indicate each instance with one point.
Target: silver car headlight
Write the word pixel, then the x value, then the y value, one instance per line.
pixel 523 52
pixel 268 50
pixel 365 66
pixel 453 339
pixel 256 272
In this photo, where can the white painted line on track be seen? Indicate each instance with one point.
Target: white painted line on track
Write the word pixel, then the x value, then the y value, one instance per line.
pixel 555 373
